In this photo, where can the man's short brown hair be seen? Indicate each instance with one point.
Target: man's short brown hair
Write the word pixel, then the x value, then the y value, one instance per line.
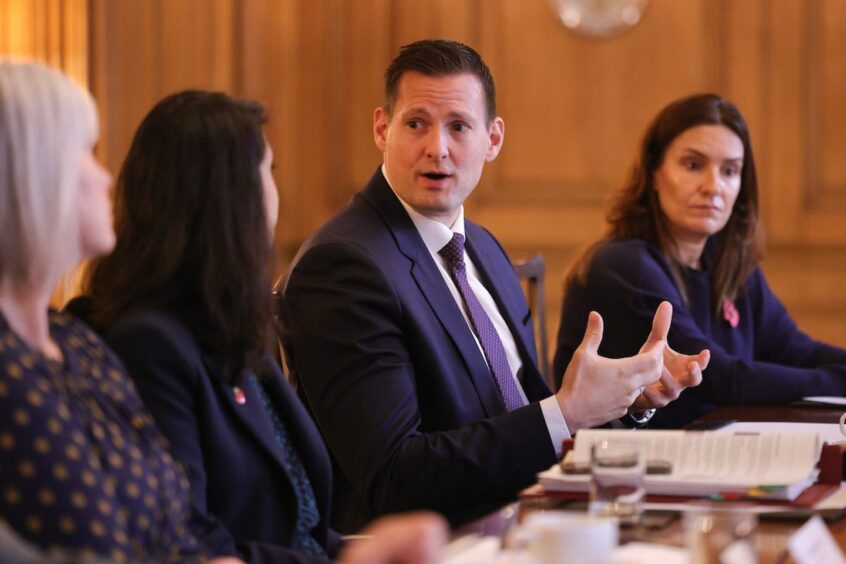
pixel 438 57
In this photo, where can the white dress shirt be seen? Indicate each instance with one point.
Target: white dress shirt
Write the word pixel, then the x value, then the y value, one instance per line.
pixel 435 236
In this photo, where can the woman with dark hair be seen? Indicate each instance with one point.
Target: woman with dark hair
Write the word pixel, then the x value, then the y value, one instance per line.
pixel 685 228
pixel 185 301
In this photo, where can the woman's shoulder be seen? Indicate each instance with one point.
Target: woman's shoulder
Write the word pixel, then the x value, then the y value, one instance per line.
pixel 151 337
pixel 756 289
pixel 629 256
pixel 151 324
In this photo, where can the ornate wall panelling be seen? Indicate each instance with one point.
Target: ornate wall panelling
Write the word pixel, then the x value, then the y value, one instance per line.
pixel 144 50
pixel 53 31
pixel 807 86
pixel 804 171
pixel 574 107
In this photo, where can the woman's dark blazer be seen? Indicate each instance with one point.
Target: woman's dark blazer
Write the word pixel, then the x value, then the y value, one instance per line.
pixel 243 500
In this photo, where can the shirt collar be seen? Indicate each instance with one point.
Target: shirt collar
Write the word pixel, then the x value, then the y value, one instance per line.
pixel 435 234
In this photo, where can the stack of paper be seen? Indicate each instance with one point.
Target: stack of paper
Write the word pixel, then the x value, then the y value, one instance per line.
pixel 768 465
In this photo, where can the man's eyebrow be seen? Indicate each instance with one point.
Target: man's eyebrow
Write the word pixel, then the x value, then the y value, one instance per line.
pixel 415 110
pixel 423 110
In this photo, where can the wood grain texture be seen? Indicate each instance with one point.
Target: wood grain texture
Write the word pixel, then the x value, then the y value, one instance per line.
pixel 574 108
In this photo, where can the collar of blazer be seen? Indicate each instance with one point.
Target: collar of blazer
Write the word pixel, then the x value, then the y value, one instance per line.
pixel 496 272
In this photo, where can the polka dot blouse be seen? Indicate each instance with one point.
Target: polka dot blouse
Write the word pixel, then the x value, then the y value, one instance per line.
pixel 82 466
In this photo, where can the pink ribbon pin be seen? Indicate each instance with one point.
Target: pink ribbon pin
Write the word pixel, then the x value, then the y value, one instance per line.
pixel 240 396
pixel 730 313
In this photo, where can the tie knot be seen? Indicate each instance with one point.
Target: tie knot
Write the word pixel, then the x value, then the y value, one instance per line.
pixel 453 252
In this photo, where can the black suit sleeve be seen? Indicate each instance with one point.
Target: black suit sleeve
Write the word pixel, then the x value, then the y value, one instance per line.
pixel 351 345
pixel 165 376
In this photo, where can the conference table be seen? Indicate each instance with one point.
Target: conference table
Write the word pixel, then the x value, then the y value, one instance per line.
pixel 772 535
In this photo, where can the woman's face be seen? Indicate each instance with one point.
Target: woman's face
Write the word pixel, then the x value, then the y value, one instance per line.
pixel 698 181
pixel 271 195
pixel 96 230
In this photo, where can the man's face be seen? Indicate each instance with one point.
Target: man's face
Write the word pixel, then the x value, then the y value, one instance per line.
pixel 437 141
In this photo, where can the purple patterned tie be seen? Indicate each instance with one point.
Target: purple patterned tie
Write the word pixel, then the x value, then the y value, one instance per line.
pixel 453 253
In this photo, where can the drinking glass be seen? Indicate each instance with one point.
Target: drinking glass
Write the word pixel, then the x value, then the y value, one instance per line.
pixel 616 486
pixel 721 533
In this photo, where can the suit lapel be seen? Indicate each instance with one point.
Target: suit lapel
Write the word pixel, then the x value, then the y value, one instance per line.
pixel 303 435
pixel 494 280
pixel 300 430
pixel 433 288
pixel 251 414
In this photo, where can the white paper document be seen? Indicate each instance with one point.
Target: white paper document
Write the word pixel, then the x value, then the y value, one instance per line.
pixel 813 544
pixel 705 462
pixel 487 550
pixel 834 401
pixel 647 553
pixel 827 432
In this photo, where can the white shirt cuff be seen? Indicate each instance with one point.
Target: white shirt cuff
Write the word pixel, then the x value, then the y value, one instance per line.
pixel 555 424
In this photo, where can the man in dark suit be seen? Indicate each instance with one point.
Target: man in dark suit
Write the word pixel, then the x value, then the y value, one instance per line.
pixel 407 330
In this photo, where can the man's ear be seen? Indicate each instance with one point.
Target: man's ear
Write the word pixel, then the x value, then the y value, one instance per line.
pixel 496 133
pixel 380 128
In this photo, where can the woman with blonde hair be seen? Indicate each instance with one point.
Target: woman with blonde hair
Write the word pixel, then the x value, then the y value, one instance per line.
pixel 83 467
pixel 685 229
pixel 84 472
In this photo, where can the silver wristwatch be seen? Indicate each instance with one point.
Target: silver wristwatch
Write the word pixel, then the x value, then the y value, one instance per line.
pixel 641 418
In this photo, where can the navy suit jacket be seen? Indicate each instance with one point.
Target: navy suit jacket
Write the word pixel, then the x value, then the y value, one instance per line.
pixel 243 500
pixel 393 376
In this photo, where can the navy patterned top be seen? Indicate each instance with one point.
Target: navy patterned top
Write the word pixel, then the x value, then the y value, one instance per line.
pixel 82 466
pixel 308 516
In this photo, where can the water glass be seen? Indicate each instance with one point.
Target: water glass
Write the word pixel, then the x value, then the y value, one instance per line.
pixel 616 486
pixel 721 533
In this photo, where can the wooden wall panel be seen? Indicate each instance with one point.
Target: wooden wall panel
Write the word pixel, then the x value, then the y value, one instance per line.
pixel 296 69
pixel 125 48
pixel 143 51
pixel 804 112
pixel 418 19
pixel 572 122
pixel 744 74
pixel 574 108
pixel 830 93
pixel 269 73
pixel 196 44
pixel 53 31
pixel 368 48
pixel 124 71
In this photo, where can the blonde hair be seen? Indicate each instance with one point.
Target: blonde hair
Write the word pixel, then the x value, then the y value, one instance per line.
pixel 46 125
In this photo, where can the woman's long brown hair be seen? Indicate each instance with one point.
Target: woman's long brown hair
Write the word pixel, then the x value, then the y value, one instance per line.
pixel 192 232
pixel 635 212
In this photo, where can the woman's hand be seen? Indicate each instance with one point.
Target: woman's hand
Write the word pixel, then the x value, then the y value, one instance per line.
pixel 413 538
